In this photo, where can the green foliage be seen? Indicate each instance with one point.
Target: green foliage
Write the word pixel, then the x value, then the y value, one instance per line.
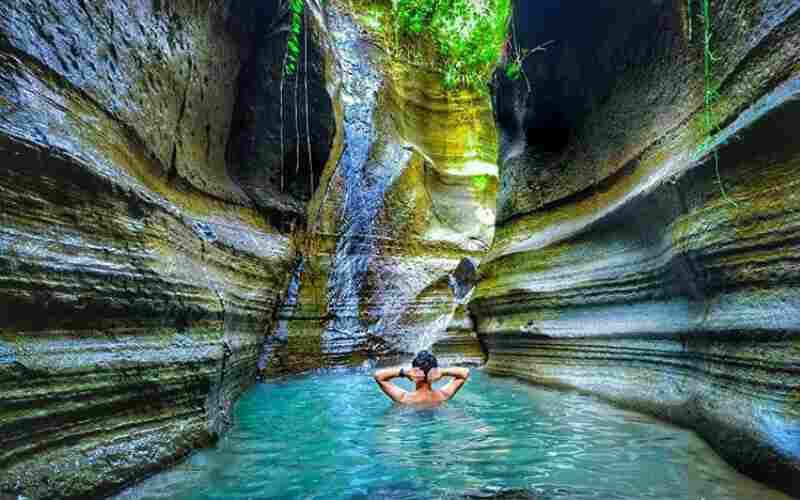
pixel 710 93
pixel 372 20
pixel 293 44
pixel 516 56
pixel 467 37
pixel 514 70
pixel 481 182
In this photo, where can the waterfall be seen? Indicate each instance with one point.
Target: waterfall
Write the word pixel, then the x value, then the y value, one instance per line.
pixel 365 180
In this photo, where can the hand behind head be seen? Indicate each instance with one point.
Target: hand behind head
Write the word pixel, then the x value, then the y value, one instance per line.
pixel 434 375
pixel 416 375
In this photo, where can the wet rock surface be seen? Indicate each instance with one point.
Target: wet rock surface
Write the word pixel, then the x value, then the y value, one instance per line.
pixel 172 205
pixel 137 278
pixel 635 257
pixel 460 344
pixel 410 195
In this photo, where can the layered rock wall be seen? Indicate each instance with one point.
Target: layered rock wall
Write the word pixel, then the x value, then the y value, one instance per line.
pixel 410 196
pixel 459 344
pixel 640 254
pixel 137 276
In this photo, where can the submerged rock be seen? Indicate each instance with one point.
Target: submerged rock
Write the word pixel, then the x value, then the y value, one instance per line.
pixel 637 258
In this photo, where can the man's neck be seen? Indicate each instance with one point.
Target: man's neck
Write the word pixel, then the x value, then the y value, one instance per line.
pixel 423 387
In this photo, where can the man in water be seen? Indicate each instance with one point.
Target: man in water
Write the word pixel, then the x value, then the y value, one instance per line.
pixel 424 373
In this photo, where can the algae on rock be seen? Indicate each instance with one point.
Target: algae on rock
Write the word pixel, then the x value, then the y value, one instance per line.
pixel 138 274
pixel 412 193
pixel 619 266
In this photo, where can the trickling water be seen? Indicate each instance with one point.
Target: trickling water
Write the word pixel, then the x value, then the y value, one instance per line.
pixel 334 435
pixel 281 334
pixel 365 176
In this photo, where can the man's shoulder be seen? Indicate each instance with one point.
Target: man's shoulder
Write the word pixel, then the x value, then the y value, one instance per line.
pixel 441 395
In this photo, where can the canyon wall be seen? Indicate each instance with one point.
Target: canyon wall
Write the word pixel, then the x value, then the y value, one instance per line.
pixel 175 203
pixel 409 199
pixel 646 247
pixel 139 269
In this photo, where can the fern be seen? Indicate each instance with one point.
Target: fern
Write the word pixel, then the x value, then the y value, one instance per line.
pixel 293 43
pixel 460 39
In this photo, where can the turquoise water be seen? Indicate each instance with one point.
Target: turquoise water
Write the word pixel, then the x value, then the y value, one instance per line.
pixel 335 435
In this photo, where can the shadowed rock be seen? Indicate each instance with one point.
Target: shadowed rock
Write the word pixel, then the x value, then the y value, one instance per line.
pixel 137 277
pixel 637 258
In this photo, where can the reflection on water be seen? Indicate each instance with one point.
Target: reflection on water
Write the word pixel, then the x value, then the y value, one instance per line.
pixel 336 436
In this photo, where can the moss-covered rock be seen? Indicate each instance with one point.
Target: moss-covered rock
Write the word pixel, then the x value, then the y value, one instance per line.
pixel 411 195
pixel 620 265
pixel 137 277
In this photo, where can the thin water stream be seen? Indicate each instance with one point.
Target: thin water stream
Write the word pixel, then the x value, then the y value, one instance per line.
pixel 334 435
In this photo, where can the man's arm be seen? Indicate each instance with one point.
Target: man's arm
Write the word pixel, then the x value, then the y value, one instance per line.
pixel 382 377
pixel 460 376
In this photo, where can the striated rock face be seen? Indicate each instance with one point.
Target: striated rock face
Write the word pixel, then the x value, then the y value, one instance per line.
pixel 410 196
pixel 460 343
pixel 635 257
pixel 137 275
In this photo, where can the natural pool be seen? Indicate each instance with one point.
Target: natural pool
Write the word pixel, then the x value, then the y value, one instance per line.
pixel 334 435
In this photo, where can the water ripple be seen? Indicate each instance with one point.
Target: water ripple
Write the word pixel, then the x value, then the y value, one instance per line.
pixel 336 436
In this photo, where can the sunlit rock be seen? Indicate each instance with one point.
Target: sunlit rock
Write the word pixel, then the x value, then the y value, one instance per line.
pixel 411 195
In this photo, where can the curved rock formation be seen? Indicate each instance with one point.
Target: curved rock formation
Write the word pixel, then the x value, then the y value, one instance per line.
pixel 173 202
pixel 460 343
pixel 137 276
pixel 412 193
pixel 636 257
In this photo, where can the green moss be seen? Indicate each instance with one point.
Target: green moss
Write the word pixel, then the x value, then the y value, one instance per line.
pixel 461 40
pixel 293 42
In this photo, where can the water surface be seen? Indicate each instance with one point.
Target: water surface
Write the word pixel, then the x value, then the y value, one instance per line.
pixel 334 435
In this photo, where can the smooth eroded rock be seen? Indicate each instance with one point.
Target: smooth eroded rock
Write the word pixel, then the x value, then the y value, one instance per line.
pixel 640 257
pixel 137 279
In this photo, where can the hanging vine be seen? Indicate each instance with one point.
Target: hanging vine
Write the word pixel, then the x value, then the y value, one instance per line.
pixel 291 63
pixel 710 92
pixel 308 125
pixel 290 56
pixel 517 55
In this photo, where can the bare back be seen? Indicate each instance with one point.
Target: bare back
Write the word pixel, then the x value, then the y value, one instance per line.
pixel 424 395
pixel 432 397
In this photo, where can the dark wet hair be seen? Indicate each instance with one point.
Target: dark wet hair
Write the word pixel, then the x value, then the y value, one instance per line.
pixel 425 361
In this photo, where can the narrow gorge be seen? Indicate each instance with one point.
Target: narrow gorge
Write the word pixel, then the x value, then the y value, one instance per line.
pixel 188 205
